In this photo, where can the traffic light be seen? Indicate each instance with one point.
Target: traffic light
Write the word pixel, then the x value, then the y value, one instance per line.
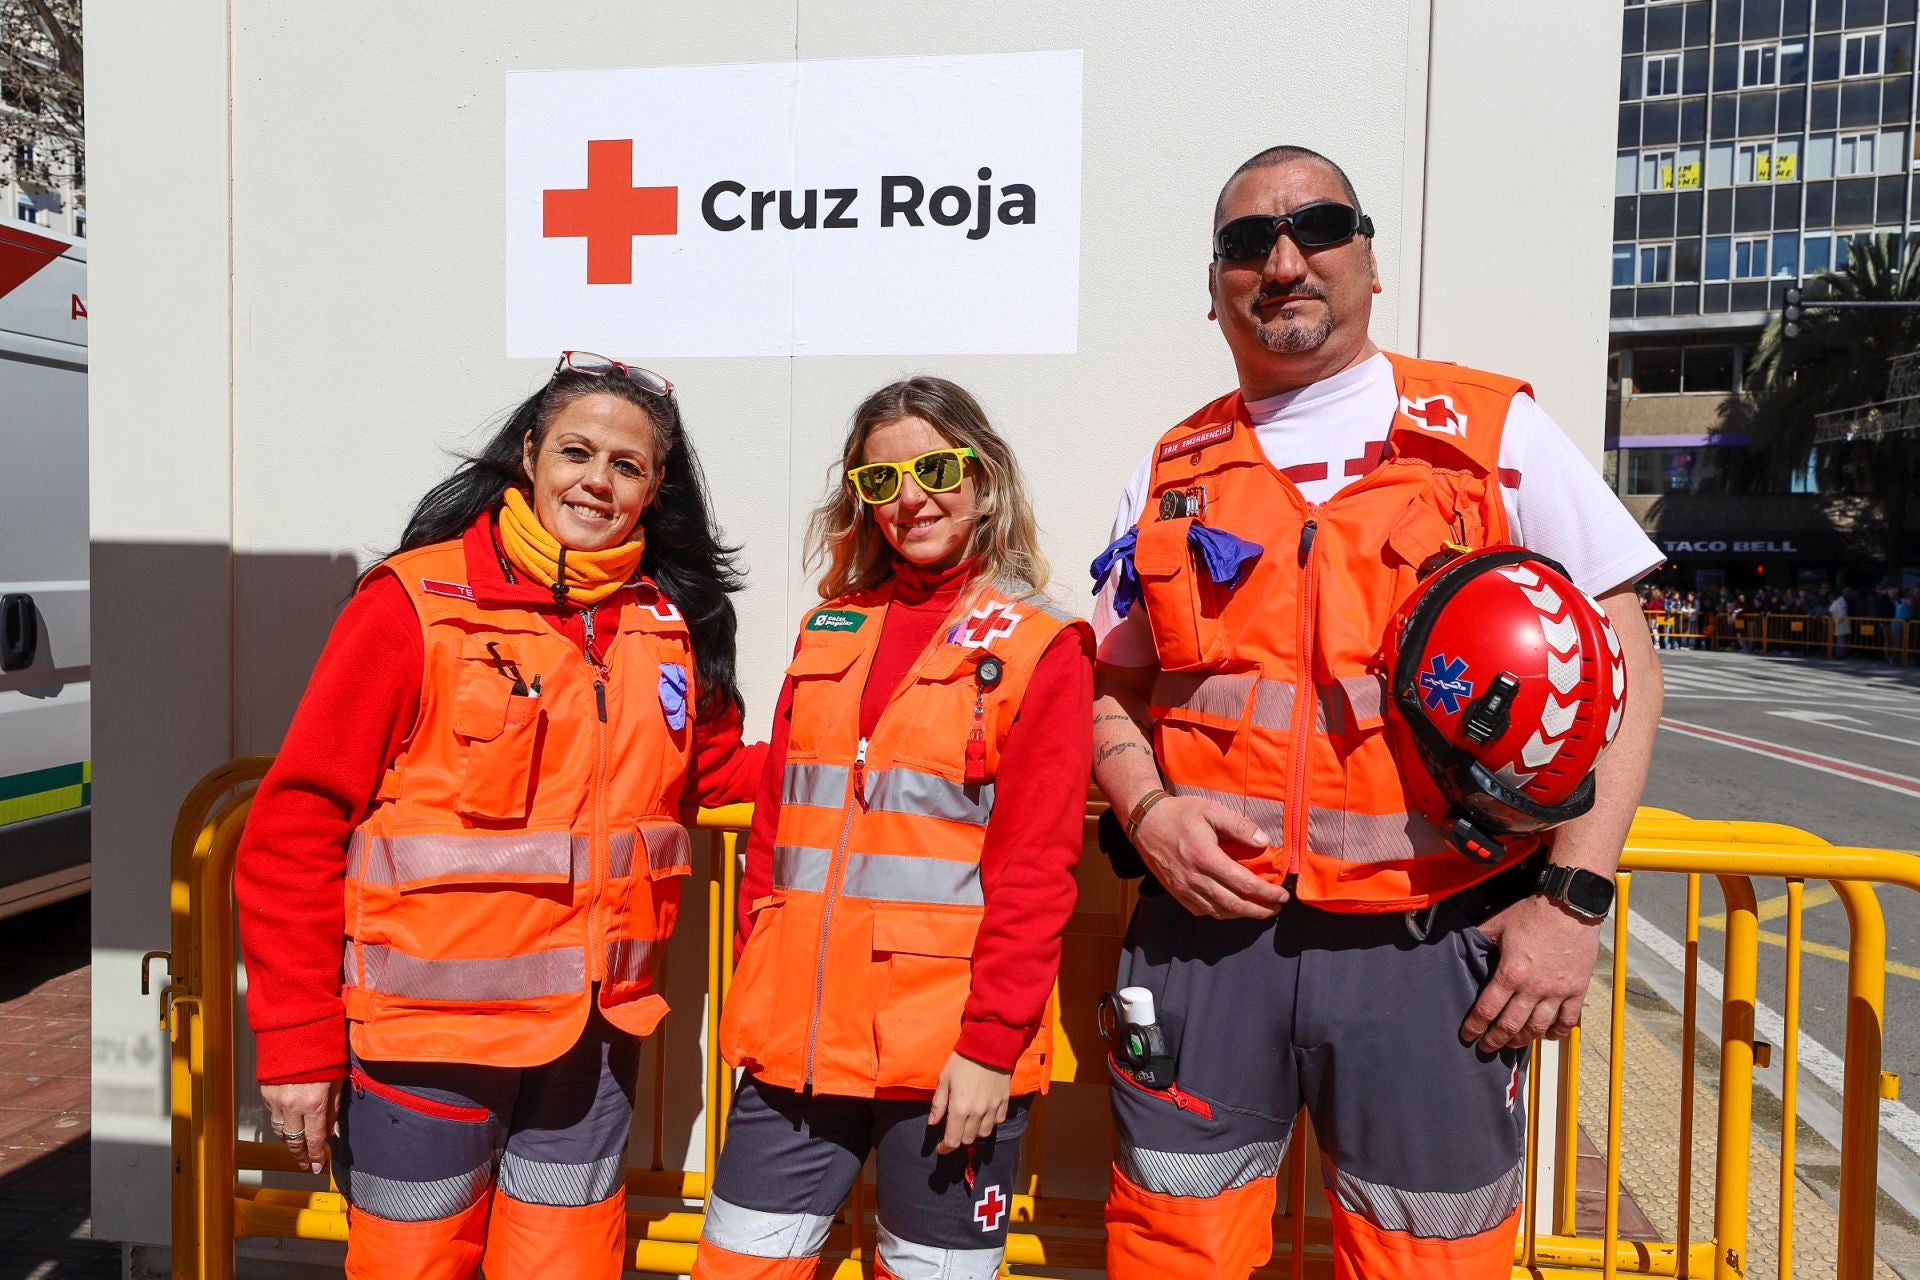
pixel 1790 313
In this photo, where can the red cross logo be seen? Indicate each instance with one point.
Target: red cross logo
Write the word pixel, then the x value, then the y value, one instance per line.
pixel 1436 413
pixel 989 1209
pixel 986 624
pixel 610 211
pixel 22 255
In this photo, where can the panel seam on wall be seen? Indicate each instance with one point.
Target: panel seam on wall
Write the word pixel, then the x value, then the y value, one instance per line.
pixel 1416 243
pixel 233 442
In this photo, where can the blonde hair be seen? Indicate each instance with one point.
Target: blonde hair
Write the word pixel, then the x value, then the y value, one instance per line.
pixel 1005 537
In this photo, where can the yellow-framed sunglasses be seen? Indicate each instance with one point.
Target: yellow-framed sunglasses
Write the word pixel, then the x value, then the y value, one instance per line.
pixel 939 471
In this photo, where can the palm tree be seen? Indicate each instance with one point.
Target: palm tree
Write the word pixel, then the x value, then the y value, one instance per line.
pixel 1839 360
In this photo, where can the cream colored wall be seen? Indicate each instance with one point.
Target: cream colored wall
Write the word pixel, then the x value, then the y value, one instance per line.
pixel 283 361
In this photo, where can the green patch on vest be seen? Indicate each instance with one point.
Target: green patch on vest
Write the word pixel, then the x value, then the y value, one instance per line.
pixel 836 620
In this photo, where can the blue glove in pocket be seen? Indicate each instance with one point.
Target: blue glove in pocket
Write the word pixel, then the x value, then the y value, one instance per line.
pixel 673 694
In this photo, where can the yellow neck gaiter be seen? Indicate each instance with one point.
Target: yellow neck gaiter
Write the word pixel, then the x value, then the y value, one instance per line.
pixel 590 576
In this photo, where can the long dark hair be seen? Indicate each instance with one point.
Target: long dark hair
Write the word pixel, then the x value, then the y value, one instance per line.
pixel 685 554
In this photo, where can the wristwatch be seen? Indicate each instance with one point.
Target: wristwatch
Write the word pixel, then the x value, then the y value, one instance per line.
pixel 1580 891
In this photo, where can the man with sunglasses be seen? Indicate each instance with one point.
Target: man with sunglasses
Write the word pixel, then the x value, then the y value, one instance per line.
pixel 1310 940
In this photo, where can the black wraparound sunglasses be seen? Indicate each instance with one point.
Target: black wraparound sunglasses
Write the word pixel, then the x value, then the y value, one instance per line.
pixel 1312 226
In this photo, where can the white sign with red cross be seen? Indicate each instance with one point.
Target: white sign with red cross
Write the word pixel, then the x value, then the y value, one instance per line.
pixel 857 206
pixel 990 1208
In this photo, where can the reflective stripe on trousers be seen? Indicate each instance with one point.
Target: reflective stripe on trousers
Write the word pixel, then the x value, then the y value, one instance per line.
pixel 1428 1215
pixel 886 877
pixel 1180 1173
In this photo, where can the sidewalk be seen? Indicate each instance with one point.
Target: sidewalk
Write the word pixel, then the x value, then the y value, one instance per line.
pixel 45 1075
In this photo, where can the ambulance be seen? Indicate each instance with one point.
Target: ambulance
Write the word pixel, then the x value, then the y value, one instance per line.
pixel 46 773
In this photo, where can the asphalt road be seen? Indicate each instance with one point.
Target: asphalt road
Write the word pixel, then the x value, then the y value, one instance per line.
pixel 1831 747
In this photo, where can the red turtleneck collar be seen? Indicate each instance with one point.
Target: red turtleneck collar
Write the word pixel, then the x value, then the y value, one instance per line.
pixel 914 585
pixel 922 599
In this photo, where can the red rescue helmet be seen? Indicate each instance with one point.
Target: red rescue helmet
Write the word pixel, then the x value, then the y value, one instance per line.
pixel 1513 684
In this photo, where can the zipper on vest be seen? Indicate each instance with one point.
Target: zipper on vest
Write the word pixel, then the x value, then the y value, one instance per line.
pixel 597 844
pixel 1303 702
pixel 830 891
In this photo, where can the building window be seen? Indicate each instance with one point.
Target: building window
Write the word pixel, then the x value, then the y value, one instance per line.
pixel 1666 170
pixel 1815 254
pixel 1663 75
pixel 1786 253
pixel 1656 371
pixel 1623 264
pixel 1753 162
pixel 26 212
pixel 1765 65
pixel 80 224
pixel 1750 258
pixel 1719 257
pixel 1694 469
pixel 1656 264
pixel 1861 53
pixel 1706 370
pixel 1853 154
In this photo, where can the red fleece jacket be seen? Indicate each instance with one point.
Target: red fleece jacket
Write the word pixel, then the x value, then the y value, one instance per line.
pixel 1032 841
pixel 355 716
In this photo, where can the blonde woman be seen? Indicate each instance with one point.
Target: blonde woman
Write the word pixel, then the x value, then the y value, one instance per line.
pixel 910 869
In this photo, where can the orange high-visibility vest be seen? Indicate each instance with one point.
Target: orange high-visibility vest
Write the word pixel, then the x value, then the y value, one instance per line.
pixel 1271 698
pixel 520 848
pixel 858 968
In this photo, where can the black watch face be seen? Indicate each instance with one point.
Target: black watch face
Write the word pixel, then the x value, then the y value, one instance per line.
pixel 1590 893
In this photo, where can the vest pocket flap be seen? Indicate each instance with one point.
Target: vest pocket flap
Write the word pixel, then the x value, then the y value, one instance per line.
pixel 1211 698
pixel 667 849
pixel 1356 703
pixel 925 931
pixel 1161 549
pixel 821 660
pixel 481 703
pixel 1417 533
pixel 951 662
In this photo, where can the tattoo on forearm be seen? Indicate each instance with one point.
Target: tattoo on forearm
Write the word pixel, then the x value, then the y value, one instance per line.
pixel 1114 749
pixel 1114 717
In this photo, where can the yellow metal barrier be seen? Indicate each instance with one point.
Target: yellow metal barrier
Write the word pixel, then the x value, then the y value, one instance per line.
pixel 1893 641
pixel 213 1206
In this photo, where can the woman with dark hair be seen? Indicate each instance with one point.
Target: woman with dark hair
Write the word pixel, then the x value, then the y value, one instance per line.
pixel 910 870
pixel 458 875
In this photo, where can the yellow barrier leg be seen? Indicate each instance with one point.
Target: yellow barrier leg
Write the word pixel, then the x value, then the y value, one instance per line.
pixel 1860 1116
pixel 1736 1080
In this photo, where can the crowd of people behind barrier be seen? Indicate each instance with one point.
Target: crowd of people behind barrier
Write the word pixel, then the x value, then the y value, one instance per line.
pixel 1863 624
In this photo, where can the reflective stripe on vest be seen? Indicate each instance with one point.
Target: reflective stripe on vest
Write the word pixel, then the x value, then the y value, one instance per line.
pixel 1224 697
pixel 1341 833
pixel 896 790
pixel 882 877
pixel 375 859
pixel 561 971
pixel 632 959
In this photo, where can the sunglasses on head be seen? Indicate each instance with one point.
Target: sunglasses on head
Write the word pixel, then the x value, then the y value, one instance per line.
pixel 937 472
pixel 598 366
pixel 1312 226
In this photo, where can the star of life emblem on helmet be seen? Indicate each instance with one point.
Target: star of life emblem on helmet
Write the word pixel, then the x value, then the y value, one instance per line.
pixel 1441 684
